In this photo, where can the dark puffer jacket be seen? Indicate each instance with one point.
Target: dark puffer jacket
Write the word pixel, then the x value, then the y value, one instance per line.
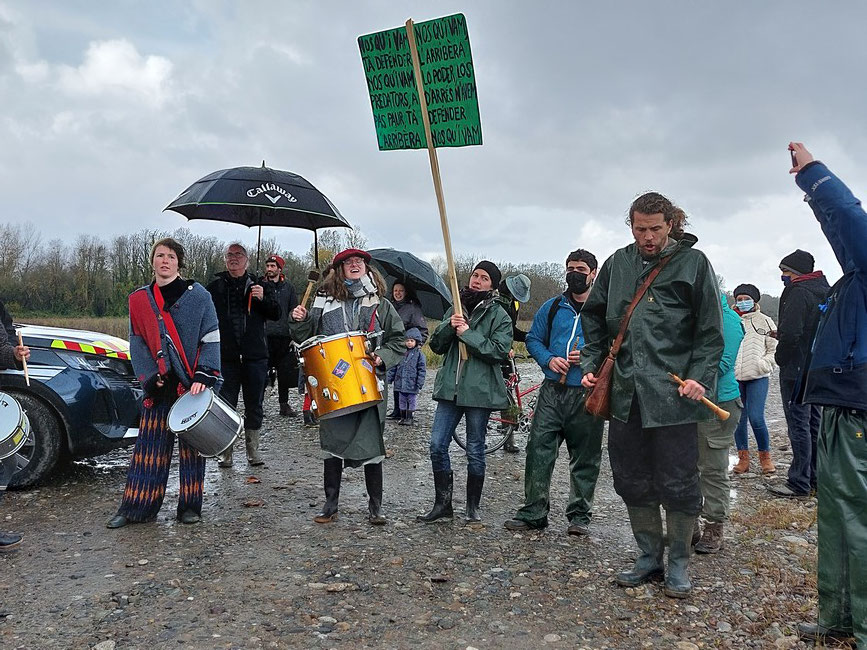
pixel 408 375
pixel 799 316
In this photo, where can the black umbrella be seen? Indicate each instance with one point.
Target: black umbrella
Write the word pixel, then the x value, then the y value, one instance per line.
pixel 259 196
pixel 417 275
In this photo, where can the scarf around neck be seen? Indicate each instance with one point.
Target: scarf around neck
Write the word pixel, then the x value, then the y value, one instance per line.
pixel 471 299
pixel 339 316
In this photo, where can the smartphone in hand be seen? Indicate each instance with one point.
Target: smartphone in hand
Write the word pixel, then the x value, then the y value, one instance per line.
pixel 794 158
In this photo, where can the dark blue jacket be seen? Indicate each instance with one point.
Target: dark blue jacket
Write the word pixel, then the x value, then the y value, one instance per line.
pixel 566 334
pixel 408 375
pixel 837 370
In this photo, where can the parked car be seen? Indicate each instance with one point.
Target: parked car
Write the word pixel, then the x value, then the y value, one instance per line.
pixel 83 398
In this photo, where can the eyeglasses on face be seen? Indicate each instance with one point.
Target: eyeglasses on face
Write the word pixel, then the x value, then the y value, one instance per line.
pixel 353 261
pixel 235 255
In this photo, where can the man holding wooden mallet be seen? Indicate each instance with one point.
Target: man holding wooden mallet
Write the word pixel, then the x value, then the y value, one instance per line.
pixel 675 327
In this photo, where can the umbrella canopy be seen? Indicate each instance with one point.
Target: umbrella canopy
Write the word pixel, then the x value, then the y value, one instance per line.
pixel 417 275
pixel 258 196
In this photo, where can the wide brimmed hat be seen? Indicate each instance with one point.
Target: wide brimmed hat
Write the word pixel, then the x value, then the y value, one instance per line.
pixel 519 287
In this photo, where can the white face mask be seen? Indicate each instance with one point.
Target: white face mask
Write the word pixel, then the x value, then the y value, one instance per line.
pixel 745 305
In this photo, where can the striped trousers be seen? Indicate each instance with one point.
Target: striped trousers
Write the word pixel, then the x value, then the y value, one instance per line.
pixel 149 469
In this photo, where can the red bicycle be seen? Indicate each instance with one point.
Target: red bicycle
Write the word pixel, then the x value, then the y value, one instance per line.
pixel 515 419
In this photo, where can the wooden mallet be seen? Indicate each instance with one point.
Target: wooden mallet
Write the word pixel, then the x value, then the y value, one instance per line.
pixel 23 360
pixel 312 279
pixel 722 414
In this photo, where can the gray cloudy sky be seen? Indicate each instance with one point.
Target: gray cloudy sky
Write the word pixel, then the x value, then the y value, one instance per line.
pixel 110 109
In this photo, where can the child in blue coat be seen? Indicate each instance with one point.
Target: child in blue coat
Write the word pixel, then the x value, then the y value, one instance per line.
pixel 407 376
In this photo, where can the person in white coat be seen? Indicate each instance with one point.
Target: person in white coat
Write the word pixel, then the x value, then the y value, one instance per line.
pixel 753 369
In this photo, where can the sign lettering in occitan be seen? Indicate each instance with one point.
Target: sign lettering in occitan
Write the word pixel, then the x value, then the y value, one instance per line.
pixel 449 83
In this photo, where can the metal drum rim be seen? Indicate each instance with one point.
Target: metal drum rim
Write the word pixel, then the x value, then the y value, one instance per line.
pixel 211 395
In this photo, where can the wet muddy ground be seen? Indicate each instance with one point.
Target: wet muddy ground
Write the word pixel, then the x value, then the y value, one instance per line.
pixel 258 573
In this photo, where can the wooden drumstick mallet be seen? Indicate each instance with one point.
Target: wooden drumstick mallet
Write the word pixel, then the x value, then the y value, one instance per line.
pixel 574 347
pixel 312 279
pixel 722 414
pixel 24 360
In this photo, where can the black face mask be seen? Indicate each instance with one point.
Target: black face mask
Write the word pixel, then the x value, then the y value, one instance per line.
pixel 577 282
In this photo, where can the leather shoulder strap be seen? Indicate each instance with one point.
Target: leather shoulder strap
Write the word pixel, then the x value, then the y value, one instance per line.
pixel 615 348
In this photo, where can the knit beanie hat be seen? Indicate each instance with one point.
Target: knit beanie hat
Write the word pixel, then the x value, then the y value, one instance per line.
pixel 277 260
pixel 491 269
pixel 747 290
pixel 800 262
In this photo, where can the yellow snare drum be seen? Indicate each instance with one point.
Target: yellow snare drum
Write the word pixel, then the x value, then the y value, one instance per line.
pixel 340 375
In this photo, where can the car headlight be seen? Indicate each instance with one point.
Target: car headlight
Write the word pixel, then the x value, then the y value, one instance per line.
pixel 97 363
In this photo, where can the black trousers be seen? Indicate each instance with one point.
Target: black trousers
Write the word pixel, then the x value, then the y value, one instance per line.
pixel 655 465
pixel 282 357
pixel 251 377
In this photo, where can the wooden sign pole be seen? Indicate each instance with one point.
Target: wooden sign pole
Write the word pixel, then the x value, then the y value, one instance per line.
pixel 435 172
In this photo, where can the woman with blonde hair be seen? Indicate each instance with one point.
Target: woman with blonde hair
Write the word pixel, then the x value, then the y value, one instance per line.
pixel 351 299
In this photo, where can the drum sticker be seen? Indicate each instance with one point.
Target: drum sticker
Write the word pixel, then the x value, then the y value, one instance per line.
pixel 340 369
pixel 366 364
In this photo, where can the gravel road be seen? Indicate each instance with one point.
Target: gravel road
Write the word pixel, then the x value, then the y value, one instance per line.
pixel 258 573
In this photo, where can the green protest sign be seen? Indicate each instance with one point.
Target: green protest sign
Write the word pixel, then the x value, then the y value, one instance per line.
pixel 449 84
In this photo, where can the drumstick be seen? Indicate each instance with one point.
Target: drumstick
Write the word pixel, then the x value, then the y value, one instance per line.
pixel 574 347
pixel 312 278
pixel 24 360
pixel 722 414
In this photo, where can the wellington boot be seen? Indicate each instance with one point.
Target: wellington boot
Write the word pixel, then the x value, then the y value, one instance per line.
pixel 408 419
pixel 711 539
pixel 475 483
pixel 646 525
pixel 766 462
pixel 251 437
pixel 373 483
pixel 743 464
pixel 225 458
pixel 332 474
pixel 442 508
pixel 679 526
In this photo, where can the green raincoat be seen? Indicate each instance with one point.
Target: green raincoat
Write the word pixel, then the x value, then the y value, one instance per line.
pixel 676 327
pixel 357 437
pixel 488 342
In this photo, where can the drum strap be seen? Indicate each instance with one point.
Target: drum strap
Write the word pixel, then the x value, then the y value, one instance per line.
pixel 172 330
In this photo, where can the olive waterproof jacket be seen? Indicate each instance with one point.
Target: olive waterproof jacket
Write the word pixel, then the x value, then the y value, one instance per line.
pixel 478 381
pixel 676 327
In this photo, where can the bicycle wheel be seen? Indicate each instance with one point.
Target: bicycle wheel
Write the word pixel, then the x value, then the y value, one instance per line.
pixel 498 431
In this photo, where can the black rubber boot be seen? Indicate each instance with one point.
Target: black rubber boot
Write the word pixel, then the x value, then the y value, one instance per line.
pixel 407 418
pixel 9 541
pixel 332 474
pixel 373 482
pixel 475 483
pixel 679 526
pixel 510 446
pixel 646 525
pixel 395 414
pixel 442 508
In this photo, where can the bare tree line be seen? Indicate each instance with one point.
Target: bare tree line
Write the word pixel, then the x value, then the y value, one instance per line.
pixel 93 277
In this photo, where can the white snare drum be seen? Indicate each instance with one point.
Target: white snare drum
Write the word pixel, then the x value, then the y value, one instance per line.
pixel 205 422
pixel 14 426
